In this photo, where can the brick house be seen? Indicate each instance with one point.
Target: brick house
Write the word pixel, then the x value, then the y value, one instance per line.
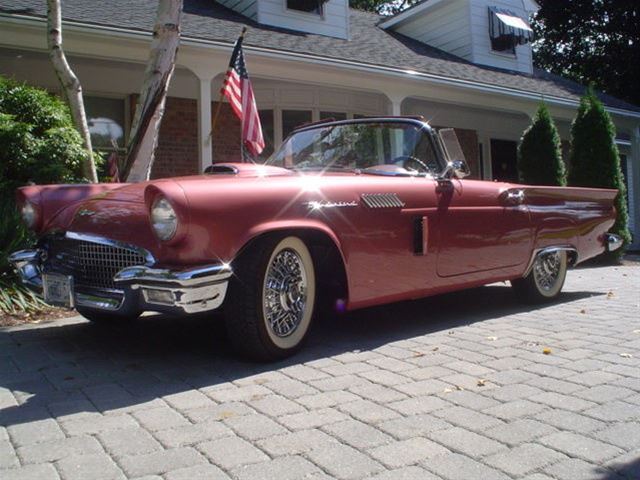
pixel 465 64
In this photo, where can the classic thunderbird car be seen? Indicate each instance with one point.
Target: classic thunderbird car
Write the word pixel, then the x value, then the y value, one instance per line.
pixel 369 211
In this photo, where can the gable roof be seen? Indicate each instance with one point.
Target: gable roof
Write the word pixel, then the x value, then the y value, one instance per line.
pixel 369 44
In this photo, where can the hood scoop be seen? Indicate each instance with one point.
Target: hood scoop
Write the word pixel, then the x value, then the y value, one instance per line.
pixel 221 169
pixel 244 170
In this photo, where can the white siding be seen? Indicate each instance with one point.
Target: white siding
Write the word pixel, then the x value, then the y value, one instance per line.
pixel 445 26
pixel 333 23
pixel 248 8
pixel 481 43
pixel 461 27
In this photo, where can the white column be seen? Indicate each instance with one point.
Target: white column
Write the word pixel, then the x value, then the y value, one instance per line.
pixel 396 104
pixel 204 123
pixel 633 172
pixel 396 110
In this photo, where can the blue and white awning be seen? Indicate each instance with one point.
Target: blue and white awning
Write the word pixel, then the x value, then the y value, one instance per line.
pixel 507 29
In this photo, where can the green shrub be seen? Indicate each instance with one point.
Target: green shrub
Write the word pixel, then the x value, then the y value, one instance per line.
pixel 14 298
pixel 595 160
pixel 540 153
pixel 39 144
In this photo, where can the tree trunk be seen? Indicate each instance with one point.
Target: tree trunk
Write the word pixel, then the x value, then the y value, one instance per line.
pixel 143 138
pixel 70 84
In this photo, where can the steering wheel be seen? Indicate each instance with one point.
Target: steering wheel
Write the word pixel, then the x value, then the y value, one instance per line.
pixel 405 162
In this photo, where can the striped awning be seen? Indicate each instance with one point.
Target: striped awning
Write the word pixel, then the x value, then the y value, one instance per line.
pixel 507 29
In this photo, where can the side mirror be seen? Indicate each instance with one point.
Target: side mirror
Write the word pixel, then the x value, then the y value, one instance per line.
pixel 456 169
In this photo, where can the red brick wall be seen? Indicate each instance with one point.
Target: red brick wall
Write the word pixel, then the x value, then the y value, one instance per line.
pixel 177 152
pixel 226 135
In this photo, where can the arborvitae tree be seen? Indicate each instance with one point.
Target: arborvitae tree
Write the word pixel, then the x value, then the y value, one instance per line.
pixel 540 153
pixel 595 160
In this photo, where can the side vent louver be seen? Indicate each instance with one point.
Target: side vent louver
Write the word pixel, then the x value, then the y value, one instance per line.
pixel 381 200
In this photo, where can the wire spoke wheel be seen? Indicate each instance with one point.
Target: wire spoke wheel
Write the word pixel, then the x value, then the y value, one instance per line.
pixel 285 293
pixel 272 298
pixel 546 278
pixel 546 270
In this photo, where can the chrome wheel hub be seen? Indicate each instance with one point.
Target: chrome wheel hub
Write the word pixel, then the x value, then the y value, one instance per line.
pixel 285 293
pixel 546 270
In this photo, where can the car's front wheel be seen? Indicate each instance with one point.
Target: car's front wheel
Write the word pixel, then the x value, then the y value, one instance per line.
pixel 272 298
pixel 545 280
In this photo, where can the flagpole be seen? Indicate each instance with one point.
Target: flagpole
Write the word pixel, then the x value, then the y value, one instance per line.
pixel 221 99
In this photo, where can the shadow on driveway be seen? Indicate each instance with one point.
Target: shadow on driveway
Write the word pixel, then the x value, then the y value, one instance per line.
pixel 158 356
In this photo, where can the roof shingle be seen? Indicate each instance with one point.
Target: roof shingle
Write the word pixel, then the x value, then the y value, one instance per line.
pixel 369 44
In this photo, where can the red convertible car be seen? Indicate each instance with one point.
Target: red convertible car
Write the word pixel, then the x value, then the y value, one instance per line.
pixel 369 211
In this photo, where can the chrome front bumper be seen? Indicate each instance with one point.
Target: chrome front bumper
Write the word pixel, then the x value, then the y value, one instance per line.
pixel 189 290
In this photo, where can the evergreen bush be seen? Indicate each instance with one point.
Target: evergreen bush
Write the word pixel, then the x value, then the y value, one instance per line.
pixel 595 160
pixel 540 153
pixel 38 143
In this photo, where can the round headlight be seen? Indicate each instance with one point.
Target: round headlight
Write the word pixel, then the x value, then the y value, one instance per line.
pixel 28 213
pixel 164 219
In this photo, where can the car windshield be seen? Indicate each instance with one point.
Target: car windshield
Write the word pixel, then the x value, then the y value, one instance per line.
pixel 373 147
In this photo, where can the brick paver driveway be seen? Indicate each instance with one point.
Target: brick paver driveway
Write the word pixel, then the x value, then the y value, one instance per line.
pixel 454 387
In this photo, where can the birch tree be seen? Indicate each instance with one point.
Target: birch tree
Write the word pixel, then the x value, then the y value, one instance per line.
pixel 143 138
pixel 70 84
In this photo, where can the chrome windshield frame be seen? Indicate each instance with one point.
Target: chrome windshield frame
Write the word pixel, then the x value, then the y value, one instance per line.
pixel 422 125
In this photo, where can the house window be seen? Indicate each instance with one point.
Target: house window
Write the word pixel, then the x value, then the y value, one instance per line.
pixel 105 118
pixel 334 115
pixel 307 6
pixel 504 163
pixel 507 30
pixel 292 119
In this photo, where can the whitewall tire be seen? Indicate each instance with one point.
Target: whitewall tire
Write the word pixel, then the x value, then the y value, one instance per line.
pixel 545 280
pixel 272 298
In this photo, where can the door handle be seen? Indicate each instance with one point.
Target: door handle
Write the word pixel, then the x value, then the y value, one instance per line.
pixel 514 197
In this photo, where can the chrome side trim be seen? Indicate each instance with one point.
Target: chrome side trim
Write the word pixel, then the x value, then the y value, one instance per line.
pixel 149 259
pixel 382 200
pixel 612 242
pixel 558 248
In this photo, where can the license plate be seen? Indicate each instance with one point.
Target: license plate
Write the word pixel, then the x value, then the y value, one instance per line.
pixel 58 289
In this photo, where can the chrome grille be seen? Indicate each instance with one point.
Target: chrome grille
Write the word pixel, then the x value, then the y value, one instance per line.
pixel 91 264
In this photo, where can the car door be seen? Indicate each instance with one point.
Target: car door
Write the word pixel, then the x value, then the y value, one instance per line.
pixel 482 227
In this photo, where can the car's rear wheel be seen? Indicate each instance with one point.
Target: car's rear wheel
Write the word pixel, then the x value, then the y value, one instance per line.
pixel 272 298
pixel 545 280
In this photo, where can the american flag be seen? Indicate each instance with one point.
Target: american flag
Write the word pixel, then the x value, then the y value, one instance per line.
pixel 237 88
pixel 112 163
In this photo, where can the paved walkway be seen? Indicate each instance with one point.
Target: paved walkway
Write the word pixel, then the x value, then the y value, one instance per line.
pixel 454 387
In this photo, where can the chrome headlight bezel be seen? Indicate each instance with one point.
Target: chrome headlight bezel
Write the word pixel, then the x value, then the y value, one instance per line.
pixel 29 214
pixel 164 219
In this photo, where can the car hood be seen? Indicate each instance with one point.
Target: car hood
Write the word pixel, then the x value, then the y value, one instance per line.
pixel 222 173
